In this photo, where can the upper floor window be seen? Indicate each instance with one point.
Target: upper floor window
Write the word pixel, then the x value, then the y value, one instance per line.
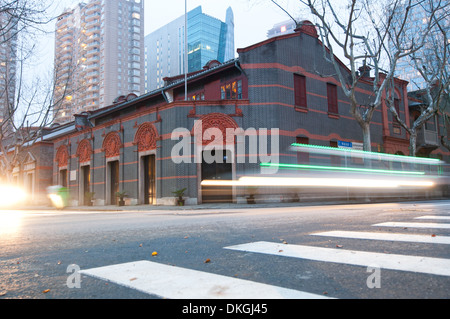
pixel 231 91
pixel 300 90
pixel 332 98
pixel 197 97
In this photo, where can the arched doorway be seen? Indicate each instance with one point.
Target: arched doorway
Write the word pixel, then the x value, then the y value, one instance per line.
pixel 145 139
pixel 217 152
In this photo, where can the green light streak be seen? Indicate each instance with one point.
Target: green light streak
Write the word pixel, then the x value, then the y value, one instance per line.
pixel 372 155
pixel 332 168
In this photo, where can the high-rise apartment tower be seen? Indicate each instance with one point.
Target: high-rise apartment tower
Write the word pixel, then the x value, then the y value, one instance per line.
pixel 99 55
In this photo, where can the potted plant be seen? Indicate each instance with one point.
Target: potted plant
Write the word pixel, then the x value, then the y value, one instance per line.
pixel 121 196
pixel 179 196
pixel 251 195
pixel 88 198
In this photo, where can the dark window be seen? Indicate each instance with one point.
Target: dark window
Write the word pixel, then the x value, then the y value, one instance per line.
pixel 302 157
pixel 334 159
pixel 300 90
pixel 332 98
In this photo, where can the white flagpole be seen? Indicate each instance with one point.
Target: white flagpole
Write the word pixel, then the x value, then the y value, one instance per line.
pixel 185 50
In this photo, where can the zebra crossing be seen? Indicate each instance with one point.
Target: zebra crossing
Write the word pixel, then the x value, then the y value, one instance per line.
pixel 166 281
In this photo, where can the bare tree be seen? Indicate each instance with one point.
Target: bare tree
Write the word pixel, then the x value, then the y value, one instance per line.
pixel 26 103
pixel 431 61
pixel 361 31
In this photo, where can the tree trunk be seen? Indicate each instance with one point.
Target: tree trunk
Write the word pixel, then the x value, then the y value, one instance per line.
pixel 412 142
pixel 366 137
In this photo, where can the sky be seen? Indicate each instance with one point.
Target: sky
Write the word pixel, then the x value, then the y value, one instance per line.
pixel 252 18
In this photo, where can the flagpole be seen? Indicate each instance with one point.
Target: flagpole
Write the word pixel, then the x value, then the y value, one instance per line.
pixel 185 50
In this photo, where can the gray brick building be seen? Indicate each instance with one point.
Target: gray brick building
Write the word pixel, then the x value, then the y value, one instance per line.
pixel 277 84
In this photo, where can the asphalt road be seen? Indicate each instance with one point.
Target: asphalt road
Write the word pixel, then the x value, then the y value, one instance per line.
pixel 38 247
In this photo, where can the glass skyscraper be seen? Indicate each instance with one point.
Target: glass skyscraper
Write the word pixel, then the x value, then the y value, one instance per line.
pixel 208 39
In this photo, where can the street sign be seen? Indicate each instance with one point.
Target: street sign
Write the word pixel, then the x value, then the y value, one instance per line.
pixel 342 144
pixel 350 145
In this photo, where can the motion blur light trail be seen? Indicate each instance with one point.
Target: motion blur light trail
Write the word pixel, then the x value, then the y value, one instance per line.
pixel 319 181
pixel 335 168
pixel 328 150
pixel 340 173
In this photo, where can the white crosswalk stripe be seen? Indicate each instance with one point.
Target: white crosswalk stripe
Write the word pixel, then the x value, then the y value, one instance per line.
pixel 414 225
pixel 179 283
pixel 427 265
pixel 427 239
pixel 434 217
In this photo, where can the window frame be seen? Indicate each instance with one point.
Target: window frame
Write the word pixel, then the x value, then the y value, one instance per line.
pixel 300 93
pixel 332 98
pixel 232 90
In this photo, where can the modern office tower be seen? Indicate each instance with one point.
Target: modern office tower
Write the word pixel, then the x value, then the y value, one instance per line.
pixel 419 14
pixel 208 39
pixel 8 61
pixel 99 55
pixel 281 28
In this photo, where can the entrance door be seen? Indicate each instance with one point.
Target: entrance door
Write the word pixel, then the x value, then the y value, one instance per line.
pixel 114 181
pixel 217 171
pixel 86 171
pixel 63 178
pixel 149 179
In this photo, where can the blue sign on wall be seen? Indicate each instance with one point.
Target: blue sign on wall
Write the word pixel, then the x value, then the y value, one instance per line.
pixel 342 144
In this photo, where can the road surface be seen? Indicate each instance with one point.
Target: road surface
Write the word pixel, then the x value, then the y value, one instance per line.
pixel 370 251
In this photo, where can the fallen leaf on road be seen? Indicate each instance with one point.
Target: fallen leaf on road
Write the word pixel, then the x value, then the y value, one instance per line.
pixel 133 279
pixel 339 246
pixel 154 254
pixel 140 245
pixel 45 291
pixel 207 261
pixel 433 235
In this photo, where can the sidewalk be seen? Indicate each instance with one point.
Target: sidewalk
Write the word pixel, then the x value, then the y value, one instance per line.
pixel 218 206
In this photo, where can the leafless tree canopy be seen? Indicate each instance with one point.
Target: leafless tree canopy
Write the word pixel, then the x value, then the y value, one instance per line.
pixel 377 34
pixel 24 103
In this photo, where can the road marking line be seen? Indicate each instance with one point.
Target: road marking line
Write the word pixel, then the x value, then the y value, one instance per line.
pixel 387 237
pixel 434 217
pixel 414 225
pixel 427 265
pixel 179 283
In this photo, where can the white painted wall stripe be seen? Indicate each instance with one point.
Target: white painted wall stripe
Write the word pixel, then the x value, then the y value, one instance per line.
pixel 413 225
pixel 434 217
pixel 427 265
pixel 428 239
pixel 178 283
